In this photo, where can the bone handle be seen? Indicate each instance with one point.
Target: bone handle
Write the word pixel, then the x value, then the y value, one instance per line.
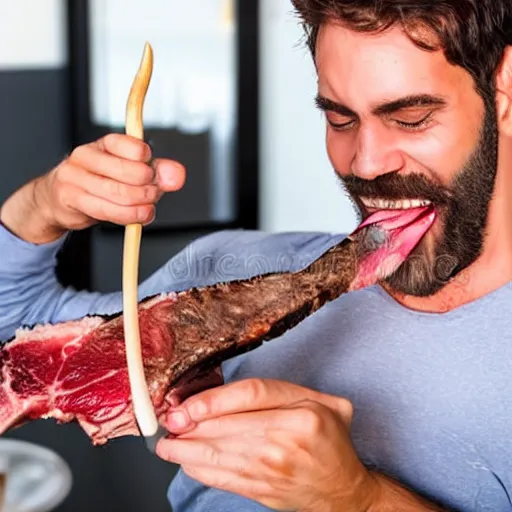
pixel 143 407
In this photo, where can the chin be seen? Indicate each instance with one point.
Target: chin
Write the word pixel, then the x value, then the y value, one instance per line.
pixel 414 280
pixel 427 269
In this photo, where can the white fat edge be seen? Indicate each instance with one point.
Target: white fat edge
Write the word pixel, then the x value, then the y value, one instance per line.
pixel 75 328
pixel 72 329
pixel 157 299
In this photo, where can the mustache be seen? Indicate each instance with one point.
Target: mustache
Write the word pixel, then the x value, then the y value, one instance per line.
pixel 395 186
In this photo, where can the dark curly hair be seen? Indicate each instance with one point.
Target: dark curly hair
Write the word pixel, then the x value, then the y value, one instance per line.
pixel 472 33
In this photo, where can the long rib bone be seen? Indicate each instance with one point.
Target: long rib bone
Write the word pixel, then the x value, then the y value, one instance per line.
pixel 143 407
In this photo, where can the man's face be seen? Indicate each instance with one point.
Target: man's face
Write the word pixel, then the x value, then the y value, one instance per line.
pixel 405 127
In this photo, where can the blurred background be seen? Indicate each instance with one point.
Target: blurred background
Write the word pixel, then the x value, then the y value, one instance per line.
pixel 231 97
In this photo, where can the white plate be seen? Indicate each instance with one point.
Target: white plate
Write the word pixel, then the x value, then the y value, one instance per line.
pixel 38 479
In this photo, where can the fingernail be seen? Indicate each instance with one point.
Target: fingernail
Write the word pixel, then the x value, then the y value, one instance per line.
pixel 177 420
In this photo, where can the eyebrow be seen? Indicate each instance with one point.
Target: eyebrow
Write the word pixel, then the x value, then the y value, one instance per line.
pixel 326 104
pixel 417 100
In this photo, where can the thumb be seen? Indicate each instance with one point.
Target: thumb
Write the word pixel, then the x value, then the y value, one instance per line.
pixel 170 175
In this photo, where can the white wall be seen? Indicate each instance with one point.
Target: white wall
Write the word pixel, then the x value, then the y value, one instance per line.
pixel 33 34
pixel 298 188
pixel 193 85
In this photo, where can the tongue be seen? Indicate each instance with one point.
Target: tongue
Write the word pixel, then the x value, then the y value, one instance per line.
pixel 393 219
pixel 401 231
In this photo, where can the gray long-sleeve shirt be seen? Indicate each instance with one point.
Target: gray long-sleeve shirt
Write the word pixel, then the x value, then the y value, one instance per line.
pixel 432 393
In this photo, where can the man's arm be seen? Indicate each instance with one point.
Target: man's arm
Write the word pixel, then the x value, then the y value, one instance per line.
pixel 25 215
pixel 30 292
pixel 106 180
pixel 392 496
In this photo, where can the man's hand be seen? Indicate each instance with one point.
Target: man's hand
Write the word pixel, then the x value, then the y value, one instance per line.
pixel 285 446
pixel 110 179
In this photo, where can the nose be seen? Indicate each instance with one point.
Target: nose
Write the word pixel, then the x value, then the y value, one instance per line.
pixel 376 153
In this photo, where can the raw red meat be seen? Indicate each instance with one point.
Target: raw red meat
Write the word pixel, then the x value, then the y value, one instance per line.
pixel 77 370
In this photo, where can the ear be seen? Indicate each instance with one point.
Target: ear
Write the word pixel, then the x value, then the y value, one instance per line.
pixel 504 92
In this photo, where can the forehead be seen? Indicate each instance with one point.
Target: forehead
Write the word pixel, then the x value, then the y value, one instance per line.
pixel 359 69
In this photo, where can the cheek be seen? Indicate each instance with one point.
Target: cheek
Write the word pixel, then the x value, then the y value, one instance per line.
pixel 341 148
pixel 446 147
pixel 440 152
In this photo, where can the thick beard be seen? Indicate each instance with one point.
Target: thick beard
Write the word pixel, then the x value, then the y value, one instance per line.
pixel 464 209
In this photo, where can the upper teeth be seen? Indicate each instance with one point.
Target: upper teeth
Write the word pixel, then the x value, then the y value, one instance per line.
pixel 403 204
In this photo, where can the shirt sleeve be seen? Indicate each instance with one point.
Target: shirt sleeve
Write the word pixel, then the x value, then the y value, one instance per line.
pixel 31 294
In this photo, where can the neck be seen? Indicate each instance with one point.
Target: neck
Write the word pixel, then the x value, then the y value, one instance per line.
pixel 493 268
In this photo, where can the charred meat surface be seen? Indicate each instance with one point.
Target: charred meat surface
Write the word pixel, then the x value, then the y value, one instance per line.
pixel 76 371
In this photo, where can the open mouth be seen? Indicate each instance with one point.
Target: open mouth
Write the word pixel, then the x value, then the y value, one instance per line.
pixel 405 220
pixel 398 219
pixel 398 231
pixel 405 228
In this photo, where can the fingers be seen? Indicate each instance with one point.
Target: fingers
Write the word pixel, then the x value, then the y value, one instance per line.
pixel 236 458
pixel 94 207
pixel 167 174
pixel 118 167
pixel 193 452
pixel 242 396
pixel 306 418
pixel 124 146
pixel 111 180
pixel 231 473
pixel 221 479
pixel 230 425
pixel 113 167
pixel 253 395
pixel 106 211
pixel 113 191
pixel 233 466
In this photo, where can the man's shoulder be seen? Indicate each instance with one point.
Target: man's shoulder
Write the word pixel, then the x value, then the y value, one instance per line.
pixel 242 241
pixel 236 254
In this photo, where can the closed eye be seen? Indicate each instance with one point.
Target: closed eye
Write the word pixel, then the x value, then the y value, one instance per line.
pixel 416 125
pixel 335 122
pixel 341 126
pixel 339 122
